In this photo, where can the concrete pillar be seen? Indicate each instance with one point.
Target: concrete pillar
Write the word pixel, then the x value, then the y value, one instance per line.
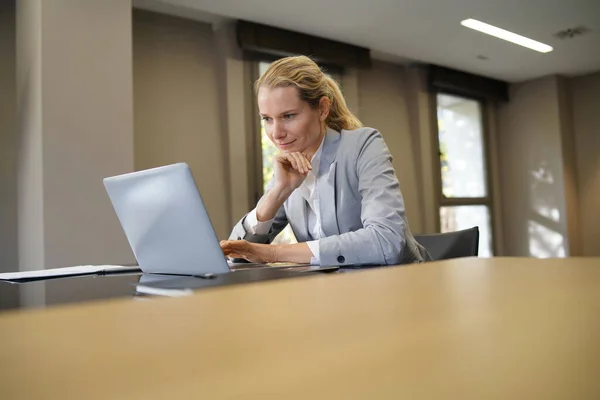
pixel 74 127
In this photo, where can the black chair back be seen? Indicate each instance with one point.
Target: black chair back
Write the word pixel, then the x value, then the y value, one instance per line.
pixel 442 246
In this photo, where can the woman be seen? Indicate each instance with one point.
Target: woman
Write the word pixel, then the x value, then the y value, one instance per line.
pixel 333 180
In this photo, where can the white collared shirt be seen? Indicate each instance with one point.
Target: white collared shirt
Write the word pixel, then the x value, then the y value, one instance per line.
pixel 309 191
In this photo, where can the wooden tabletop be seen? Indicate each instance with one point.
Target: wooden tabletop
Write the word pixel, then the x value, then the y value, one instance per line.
pixel 504 328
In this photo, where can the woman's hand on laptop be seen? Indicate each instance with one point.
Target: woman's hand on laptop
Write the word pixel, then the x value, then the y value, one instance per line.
pixel 253 252
pixel 267 253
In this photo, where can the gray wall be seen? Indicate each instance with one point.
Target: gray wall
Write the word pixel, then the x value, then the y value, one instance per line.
pixel 532 179
pixel 87 101
pixel 177 105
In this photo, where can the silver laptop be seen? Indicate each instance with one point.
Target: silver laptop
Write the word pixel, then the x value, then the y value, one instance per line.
pixel 167 225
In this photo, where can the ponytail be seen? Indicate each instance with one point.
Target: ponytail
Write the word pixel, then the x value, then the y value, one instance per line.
pixel 340 117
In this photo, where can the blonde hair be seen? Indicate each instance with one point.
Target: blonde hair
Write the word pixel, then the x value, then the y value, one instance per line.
pixel 312 85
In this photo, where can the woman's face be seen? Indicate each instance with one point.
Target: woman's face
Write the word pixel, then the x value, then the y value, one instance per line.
pixel 290 123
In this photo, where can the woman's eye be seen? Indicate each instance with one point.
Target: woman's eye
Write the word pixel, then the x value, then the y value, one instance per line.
pixel 266 119
pixel 288 116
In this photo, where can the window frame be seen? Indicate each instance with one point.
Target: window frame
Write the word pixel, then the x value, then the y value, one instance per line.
pixel 257 155
pixel 488 199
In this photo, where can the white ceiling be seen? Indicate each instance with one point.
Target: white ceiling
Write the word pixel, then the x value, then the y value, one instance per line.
pixel 428 30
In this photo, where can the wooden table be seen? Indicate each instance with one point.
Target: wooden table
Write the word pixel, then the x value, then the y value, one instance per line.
pixel 504 328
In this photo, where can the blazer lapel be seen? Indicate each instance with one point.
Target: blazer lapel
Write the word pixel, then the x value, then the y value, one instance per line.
pixel 326 184
pixel 297 207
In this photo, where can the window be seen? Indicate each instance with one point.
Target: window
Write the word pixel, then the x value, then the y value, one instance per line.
pixel 465 200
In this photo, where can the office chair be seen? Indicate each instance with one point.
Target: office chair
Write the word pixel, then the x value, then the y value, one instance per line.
pixel 442 246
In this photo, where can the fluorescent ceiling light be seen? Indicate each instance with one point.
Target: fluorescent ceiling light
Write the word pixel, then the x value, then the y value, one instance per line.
pixel 506 35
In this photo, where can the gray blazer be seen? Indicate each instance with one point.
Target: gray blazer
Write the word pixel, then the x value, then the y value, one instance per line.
pixel 362 210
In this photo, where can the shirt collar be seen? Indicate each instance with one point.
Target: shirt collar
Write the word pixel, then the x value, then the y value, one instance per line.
pixel 316 159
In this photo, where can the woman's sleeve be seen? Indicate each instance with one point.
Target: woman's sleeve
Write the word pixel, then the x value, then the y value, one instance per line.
pixel 240 230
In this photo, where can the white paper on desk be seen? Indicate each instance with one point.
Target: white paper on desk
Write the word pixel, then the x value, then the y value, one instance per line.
pixel 66 271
